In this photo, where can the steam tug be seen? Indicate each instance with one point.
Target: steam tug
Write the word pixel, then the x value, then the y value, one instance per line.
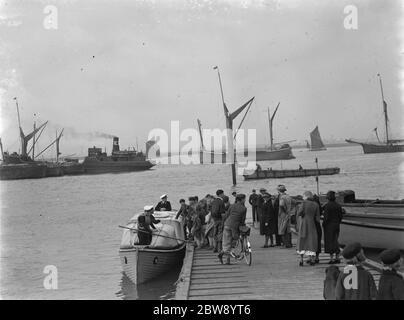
pixel 98 161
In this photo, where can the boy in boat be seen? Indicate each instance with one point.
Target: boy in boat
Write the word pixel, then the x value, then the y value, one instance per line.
pixel 163 205
pixel 360 285
pixel 391 284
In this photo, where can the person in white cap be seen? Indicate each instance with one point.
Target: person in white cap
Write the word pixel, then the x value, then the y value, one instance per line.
pixel 150 220
pixel 163 205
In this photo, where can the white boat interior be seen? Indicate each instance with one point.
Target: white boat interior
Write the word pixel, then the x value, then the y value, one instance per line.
pixel 169 232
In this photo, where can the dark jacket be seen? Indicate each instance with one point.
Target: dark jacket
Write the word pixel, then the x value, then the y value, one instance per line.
pixel 166 205
pixel 268 223
pixel 366 287
pixel 217 209
pixel 183 212
pixel 331 223
pixel 252 200
pixel 391 286
pixel 235 216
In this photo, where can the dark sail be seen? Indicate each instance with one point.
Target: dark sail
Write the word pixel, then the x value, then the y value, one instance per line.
pixel 316 142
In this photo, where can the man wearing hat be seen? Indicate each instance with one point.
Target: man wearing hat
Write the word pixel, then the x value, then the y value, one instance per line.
pixel 260 201
pixel 163 205
pixel 252 200
pixel 365 284
pixel 217 210
pixel 284 215
pixel 391 283
pixel 267 226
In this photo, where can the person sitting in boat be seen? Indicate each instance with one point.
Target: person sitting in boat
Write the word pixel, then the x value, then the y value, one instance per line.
pixel 144 232
pixel 163 205
pixel 150 220
pixel 300 167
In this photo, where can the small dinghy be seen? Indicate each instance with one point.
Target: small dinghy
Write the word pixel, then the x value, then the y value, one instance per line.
pixel 142 263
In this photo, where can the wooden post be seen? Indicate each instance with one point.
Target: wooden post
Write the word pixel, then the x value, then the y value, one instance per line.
pixel 318 187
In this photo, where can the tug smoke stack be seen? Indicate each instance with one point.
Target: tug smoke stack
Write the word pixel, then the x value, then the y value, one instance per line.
pixel 115 144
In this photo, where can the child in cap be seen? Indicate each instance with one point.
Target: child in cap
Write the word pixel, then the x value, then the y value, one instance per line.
pixel 391 284
pixel 361 288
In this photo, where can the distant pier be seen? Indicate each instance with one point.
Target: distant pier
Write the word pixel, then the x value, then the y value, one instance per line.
pixel 274 274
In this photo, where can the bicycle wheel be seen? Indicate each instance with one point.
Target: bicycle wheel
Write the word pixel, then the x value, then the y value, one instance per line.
pixel 247 251
pixel 238 250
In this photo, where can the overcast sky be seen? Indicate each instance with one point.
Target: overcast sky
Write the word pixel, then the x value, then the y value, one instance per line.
pixel 126 67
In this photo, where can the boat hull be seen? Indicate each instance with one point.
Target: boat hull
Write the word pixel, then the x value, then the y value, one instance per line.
pixel 72 168
pixel 279 174
pixel 273 155
pixel 22 171
pixel 95 166
pixel 372 235
pixel 54 170
pixel 379 148
pixel 141 264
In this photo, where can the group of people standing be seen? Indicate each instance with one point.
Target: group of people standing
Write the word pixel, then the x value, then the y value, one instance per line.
pixel 214 222
pixel 277 214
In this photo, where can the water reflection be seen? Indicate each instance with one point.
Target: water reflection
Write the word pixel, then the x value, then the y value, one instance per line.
pixel 162 288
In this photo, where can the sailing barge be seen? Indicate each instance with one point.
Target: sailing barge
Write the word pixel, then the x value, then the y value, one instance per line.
pixel 291 173
pixel 387 146
pixel 142 263
pixel 316 142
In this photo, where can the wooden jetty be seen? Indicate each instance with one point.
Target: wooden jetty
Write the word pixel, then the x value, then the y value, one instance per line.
pixel 290 173
pixel 274 274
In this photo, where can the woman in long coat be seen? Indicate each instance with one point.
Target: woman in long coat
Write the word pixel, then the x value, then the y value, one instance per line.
pixel 267 225
pixel 331 224
pixel 308 212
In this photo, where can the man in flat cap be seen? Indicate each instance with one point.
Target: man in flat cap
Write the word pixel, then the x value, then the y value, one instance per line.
pixel 163 205
pixel 361 285
pixel 391 284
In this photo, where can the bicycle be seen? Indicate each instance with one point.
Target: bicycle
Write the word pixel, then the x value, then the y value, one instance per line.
pixel 242 249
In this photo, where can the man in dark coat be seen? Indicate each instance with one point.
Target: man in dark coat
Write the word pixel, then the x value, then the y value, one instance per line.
pixel 163 205
pixel 217 210
pixel 252 200
pixel 365 288
pixel 267 226
pixel 391 284
pixel 333 213
pixel 278 238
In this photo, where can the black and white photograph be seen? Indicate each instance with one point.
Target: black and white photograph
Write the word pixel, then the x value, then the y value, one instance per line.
pixel 221 151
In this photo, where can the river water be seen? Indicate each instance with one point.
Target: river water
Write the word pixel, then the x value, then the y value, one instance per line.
pixel 72 222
